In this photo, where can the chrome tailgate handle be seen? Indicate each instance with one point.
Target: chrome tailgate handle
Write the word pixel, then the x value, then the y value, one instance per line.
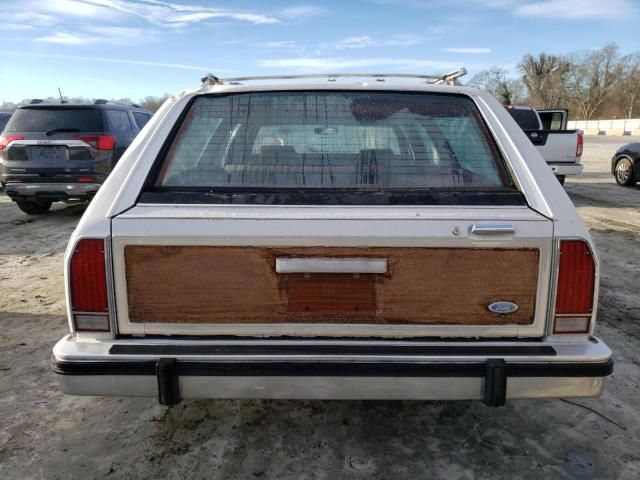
pixel 492 229
pixel 330 265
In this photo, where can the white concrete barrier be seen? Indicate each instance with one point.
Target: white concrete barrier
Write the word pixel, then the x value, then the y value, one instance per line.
pixel 614 127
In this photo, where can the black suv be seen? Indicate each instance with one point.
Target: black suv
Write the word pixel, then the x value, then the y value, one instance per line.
pixel 64 152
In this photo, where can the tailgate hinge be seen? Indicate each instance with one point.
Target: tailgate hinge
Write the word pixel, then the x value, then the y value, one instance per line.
pixel 168 387
pixel 495 383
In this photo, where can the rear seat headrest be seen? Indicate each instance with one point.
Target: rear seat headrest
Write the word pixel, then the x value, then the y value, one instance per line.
pixel 278 151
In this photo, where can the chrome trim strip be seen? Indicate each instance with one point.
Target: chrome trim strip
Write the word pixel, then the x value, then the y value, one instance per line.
pixel 111 297
pixel 72 349
pixel 49 143
pixel 330 265
pixel 68 188
pixel 492 229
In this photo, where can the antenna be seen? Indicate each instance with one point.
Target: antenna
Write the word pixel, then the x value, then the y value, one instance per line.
pixel 60 93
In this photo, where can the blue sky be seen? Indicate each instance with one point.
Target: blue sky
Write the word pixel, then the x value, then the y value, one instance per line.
pixel 135 48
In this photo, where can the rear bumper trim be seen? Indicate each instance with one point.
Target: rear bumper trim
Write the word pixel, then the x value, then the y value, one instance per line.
pixel 307 349
pixel 340 369
pixel 51 189
pixel 566 169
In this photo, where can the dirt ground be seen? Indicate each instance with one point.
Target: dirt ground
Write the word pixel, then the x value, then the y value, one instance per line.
pixel 44 434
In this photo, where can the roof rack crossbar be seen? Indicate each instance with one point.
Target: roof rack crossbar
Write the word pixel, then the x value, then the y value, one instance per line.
pixel 450 78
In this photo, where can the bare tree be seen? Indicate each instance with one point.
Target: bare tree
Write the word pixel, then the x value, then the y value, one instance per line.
pixel 591 79
pixel 545 78
pixel 510 91
pixel 629 84
pixel 8 107
pixel 152 103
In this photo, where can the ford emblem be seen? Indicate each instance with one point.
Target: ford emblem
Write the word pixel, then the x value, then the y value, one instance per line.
pixel 503 307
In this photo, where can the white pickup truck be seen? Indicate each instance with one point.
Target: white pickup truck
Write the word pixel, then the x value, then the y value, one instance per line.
pixel 547 130
pixel 332 237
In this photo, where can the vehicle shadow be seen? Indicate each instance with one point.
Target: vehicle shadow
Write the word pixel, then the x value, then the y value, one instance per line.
pixel 603 195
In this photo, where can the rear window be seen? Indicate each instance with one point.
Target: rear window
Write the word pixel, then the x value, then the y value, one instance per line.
pixel 119 121
pixel 45 119
pixel 525 117
pixel 3 120
pixel 141 119
pixel 336 141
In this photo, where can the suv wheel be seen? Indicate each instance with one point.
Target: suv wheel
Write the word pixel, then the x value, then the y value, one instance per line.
pixel 34 208
pixel 625 175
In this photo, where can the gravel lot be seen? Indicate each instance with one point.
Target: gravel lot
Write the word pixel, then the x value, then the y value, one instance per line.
pixel 44 434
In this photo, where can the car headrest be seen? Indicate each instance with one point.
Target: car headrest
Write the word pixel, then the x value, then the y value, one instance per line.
pixel 376 152
pixel 278 151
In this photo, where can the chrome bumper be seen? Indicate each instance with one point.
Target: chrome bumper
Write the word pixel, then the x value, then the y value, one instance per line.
pixel 377 370
pixel 566 169
pixel 42 189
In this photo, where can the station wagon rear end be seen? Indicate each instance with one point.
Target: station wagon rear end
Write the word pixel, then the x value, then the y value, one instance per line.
pixel 339 240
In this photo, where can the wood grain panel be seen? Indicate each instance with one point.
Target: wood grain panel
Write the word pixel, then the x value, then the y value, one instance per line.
pixel 331 294
pixel 198 284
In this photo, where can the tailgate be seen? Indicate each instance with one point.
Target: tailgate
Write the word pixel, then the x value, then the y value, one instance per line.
pixel 49 150
pixel 331 271
pixel 559 147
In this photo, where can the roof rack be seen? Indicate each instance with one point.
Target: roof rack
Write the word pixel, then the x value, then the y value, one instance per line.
pixel 450 78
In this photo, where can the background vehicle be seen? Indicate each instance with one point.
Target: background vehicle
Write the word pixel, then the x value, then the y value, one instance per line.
pixel 64 152
pixel 546 129
pixel 333 239
pixel 625 164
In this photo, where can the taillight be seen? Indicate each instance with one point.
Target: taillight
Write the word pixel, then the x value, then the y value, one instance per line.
pixel 7 139
pixel 99 142
pixel 575 288
pixel 579 145
pixel 88 286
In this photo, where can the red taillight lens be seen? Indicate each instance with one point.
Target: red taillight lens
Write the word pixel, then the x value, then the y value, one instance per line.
pixel 580 145
pixel 7 139
pixel 88 284
pixel 99 142
pixel 575 288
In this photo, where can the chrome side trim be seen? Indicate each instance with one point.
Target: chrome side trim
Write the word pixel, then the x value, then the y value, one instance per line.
pixel 111 296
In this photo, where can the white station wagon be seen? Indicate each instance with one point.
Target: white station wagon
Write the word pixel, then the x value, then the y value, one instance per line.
pixel 332 237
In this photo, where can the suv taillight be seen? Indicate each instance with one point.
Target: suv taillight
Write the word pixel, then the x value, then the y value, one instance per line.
pixel 88 287
pixel 579 145
pixel 99 142
pixel 7 139
pixel 575 288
